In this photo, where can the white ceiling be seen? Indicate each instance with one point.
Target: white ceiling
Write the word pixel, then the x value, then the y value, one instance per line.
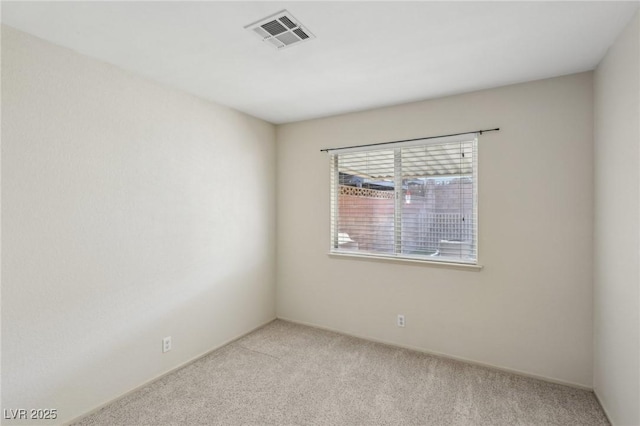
pixel 366 54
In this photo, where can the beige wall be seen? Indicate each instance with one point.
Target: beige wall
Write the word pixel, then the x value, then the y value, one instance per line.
pixel 130 212
pixel 617 233
pixel 530 308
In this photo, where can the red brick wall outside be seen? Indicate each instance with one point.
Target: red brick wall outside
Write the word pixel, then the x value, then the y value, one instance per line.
pixel 368 221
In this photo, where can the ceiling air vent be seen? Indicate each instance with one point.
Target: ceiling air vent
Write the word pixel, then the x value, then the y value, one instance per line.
pixel 280 30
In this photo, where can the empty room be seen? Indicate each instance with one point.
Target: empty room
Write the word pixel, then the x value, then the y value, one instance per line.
pixel 320 213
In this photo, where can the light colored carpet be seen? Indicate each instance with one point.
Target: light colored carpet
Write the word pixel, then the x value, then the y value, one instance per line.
pixel 285 374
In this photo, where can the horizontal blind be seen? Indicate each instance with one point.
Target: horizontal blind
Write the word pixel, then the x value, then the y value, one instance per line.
pixel 417 200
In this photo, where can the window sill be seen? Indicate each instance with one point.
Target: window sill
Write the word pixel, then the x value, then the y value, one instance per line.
pixel 398 259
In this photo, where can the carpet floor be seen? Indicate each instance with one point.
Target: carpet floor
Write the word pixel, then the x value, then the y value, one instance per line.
pixel 289 374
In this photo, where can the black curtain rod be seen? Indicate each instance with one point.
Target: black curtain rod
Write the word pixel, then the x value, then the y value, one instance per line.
pixel 410 140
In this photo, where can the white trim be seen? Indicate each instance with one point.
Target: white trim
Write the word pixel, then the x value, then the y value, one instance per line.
pixel 604 410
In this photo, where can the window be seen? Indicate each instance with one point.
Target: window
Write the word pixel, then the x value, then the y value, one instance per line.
pixel 415 200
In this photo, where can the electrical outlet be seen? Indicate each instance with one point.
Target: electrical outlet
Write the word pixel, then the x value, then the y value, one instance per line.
pixel 166 344
pixel 400 320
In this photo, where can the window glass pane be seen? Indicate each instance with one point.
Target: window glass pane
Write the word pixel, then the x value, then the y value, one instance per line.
pixel 437 217
pixel 437 210
pixel 365 210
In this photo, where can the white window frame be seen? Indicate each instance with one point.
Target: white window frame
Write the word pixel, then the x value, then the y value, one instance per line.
pixel 398 188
